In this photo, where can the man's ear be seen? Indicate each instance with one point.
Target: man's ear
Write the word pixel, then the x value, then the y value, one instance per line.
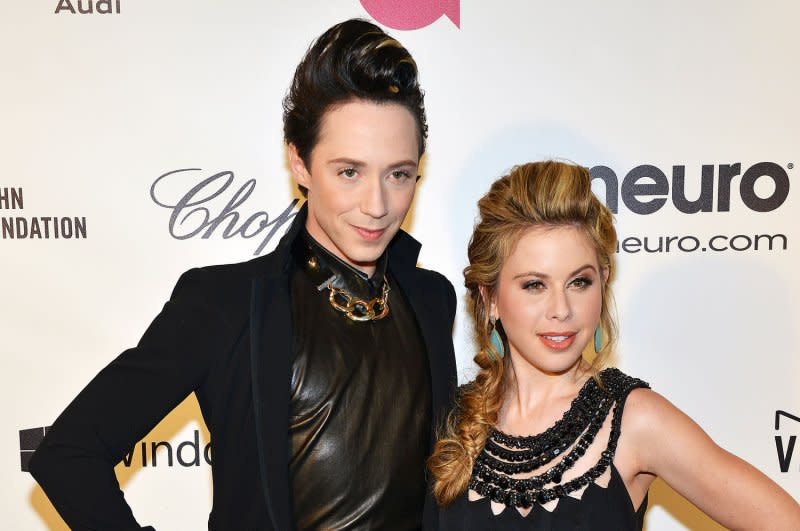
pixel 300 173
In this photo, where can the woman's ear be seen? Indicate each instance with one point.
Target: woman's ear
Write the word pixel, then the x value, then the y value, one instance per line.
pixel 300 173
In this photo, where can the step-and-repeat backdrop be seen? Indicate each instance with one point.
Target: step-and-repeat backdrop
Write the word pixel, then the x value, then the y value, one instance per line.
pixel 140 138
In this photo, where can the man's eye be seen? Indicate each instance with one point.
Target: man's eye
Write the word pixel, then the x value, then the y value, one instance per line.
pixel 400 175
pixel 349 173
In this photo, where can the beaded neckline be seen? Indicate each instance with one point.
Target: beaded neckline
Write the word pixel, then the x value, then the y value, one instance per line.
pixel 566 441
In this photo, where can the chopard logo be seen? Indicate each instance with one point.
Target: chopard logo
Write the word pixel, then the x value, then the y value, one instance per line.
pixel 197 212
pixel 785 447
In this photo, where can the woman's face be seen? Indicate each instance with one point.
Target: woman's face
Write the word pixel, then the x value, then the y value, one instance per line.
pixel 549 297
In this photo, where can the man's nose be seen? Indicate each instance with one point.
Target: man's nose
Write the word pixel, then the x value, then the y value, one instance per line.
pixel 373 201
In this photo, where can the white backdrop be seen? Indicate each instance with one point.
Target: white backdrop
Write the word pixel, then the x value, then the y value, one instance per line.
pixel 96 106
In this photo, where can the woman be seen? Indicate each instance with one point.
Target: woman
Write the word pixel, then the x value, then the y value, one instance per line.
pixel 542 438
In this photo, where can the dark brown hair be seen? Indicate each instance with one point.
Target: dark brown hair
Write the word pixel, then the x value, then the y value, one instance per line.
pixel 353 60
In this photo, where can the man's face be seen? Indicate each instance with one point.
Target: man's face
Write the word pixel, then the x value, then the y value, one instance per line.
pixel 361 179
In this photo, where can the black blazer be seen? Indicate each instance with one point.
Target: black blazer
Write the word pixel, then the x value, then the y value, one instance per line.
pixel 226 335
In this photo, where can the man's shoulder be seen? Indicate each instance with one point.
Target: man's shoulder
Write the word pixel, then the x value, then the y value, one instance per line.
pixel 436 285
pixel 429 275
pixel 226 283
pixel 241 271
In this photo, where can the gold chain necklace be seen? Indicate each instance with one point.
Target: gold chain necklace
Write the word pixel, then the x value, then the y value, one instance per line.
pixel 358 309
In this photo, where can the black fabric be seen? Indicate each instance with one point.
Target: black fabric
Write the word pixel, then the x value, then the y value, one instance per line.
pixel 360 398
pixel 226 335
pixel 600 508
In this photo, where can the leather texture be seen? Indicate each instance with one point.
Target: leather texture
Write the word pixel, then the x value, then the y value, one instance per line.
pixel 360 398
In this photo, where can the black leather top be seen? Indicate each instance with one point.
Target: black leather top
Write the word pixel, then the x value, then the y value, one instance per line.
pixel 360 400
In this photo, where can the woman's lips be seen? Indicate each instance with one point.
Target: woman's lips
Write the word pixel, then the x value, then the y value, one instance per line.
pixel 369 234
pixel 557 340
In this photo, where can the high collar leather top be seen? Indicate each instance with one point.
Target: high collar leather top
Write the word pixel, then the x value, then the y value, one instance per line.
pixel 325 268
pixel 360 402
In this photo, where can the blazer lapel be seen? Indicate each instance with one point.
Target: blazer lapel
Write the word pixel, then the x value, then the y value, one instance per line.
pixel 271 345
pixel 432 320
pixel 430 309
pixel 270 360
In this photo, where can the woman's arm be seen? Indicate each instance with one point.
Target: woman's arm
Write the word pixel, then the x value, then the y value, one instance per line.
pixel 75 462
pixel 666 442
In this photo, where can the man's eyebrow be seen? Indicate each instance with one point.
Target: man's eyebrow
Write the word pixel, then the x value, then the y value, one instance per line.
pixel 407 162
pixel 355 162
pixel 347 160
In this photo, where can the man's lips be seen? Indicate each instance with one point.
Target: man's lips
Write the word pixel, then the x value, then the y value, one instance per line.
pixel 369 234
pixel 557 340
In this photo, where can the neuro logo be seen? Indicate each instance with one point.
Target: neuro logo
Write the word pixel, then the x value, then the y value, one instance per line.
pixel 785 448
pixel 646 188
pixel 413 14
pixel 29 441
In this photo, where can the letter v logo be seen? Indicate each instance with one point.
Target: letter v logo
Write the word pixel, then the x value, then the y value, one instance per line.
pixel 785 450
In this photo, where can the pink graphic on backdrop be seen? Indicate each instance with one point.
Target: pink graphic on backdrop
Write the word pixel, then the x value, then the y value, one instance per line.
pixel 412 14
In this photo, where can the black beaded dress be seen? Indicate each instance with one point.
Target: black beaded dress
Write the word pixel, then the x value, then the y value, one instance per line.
pixel 596 500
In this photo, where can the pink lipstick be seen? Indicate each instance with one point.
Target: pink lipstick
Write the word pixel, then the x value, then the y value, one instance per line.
pixel 557 340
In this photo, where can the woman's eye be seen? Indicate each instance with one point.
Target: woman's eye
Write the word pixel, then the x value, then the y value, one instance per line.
pixel 582 282
pixel 533 284
pixel 348 173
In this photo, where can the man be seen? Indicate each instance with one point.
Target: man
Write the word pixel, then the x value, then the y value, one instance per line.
pixel 320 367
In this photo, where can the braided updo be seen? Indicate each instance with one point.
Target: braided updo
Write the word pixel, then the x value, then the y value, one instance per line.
pixel 538 194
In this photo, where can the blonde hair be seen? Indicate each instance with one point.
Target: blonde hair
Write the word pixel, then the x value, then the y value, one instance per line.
pixel 537 194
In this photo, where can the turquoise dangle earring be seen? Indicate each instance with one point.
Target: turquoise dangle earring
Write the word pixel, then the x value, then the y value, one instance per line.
pixel 598 339
pixel 497 343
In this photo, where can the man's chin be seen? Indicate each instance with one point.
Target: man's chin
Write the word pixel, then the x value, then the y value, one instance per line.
pixel 365 258
pixel 362 260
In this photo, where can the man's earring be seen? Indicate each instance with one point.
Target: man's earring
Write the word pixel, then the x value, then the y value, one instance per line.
pixel 598 339
pixel 498 349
